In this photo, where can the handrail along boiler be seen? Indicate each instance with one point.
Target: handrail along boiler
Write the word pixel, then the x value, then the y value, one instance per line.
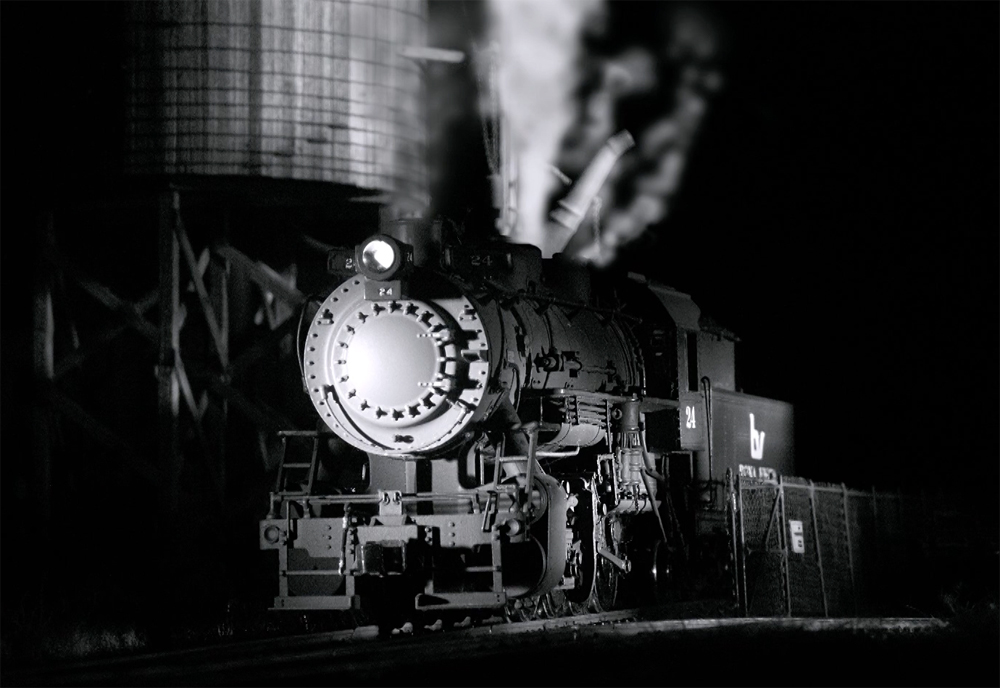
pixel 507 432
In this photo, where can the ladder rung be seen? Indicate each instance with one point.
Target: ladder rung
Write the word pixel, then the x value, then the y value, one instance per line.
pixel 297 465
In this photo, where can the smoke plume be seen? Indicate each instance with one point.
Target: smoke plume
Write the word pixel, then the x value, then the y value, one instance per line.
pixel 570 79
pixel 538 73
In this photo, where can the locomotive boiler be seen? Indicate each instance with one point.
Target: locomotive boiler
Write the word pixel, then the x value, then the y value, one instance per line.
pixel 510 434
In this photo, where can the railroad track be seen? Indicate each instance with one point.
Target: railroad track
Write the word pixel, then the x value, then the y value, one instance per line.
pixel 251 662
pixel 564 647
pixel 360 655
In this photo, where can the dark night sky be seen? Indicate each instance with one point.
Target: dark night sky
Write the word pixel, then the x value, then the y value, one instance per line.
pixel 839 212
pixel 841 215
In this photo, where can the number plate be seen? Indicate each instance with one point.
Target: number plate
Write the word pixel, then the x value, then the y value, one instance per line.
pixel 692 420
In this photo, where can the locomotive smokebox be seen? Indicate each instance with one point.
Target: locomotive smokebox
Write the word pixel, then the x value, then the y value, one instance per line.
pixel 406 367
pixel 393 370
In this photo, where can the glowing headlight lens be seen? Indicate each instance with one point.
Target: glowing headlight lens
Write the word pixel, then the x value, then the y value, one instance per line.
pixel 378 256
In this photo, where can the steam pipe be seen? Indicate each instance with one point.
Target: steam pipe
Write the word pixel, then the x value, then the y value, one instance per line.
pixel 706 387
pixel 567 218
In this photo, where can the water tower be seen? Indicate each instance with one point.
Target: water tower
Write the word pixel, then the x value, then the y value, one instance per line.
pixel 256 133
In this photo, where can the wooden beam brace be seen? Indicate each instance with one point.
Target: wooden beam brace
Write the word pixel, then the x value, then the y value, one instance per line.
pixel 196 414
pixel 255 351
pixel 199 287
pixel 202 404
pixel 217 276
pixel 44 366
pixel 105 296
pixel 101 339
pixel 131 310
pixel 264 276
pixel 132 460
pixel 168 339
pixel 261 415
pixel 258 412
pixel 204 258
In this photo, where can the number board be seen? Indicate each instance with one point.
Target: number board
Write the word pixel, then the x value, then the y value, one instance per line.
pixel 383 291
pixel 340 261
pixel 482 262
pixel 693 421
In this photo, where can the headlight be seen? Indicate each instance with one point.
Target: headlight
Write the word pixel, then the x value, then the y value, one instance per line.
pixel 271 535
pixel 378 256
pixel 383 258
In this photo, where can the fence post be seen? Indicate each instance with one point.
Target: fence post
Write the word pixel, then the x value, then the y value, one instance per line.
pixel 904 560
pixel 850 551
pixel 819 556
pixel 875 584
pixel 784 545
pixel 733 547
pixel 744 604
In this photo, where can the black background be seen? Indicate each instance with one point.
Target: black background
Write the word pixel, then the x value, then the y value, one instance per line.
pixel 839 213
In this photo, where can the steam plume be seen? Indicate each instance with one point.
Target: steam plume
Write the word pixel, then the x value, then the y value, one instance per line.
pixel 563 103
pixel 538 74
pixel 664 145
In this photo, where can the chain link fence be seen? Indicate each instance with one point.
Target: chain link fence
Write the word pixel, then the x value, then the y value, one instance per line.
pixel 762 569
pixel 808 549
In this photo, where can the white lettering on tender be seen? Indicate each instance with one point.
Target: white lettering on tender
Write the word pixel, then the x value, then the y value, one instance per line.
pixel 759 472
pixel 756 442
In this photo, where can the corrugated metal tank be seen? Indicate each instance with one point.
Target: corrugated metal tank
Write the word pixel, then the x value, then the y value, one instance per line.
pixel 294 89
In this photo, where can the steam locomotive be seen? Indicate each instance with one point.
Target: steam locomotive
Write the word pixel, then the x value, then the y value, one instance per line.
pixel 507 434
